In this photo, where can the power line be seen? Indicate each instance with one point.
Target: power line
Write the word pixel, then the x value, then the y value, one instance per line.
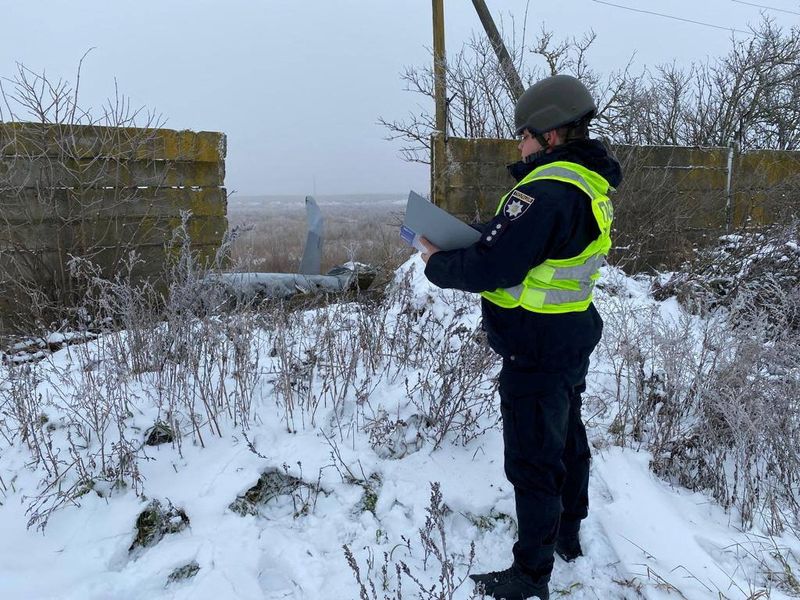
pixel 783 10
pixel 649 12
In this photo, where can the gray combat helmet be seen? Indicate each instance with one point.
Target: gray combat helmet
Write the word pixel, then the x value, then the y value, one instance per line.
pixel 552 103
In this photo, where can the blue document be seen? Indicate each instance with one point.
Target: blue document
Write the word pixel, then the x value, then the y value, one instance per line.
pixel 425 219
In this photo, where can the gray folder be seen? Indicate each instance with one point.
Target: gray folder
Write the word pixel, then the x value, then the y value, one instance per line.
pixel 424 218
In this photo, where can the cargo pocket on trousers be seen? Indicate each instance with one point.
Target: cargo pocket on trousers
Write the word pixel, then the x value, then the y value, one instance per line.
pixel 530 431
pixel 522 426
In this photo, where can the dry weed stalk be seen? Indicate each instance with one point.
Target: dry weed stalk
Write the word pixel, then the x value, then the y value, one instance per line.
pixel 433 544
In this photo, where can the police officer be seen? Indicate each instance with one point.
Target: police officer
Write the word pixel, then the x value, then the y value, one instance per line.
pixel 535 267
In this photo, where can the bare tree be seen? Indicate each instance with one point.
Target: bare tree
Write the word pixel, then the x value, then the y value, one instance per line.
pixel 65 174
pixel 480 103
pixel 750 96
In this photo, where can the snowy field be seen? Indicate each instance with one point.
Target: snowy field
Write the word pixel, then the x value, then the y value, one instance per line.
pixel 352 459
pixel 271 230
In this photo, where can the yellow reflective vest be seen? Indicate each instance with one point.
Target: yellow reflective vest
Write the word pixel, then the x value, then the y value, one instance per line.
pixel 565 284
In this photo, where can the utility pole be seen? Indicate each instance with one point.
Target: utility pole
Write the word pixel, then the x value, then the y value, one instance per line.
pixel 440 86
pixel 512 77
pixel 732 148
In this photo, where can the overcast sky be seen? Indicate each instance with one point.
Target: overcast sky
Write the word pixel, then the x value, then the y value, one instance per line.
pixel 298 86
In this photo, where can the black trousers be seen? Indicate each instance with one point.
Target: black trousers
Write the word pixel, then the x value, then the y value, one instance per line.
pixel 546 458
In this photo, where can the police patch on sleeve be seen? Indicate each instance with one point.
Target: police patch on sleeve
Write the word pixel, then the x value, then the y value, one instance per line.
pixel 517 204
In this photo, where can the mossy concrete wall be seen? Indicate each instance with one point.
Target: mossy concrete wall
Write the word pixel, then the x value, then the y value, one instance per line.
pixel 102 193
pixel 671 199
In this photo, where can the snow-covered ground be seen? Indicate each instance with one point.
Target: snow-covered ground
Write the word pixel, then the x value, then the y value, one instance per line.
pixel 643 539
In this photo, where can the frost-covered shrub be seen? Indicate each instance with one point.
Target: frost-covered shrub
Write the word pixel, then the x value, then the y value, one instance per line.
pixel 756 271
pixel 74 424
pixel 395 437
pixel 714 395
pixel 718 409
pixel 386 583
pixel 456 390
pixel 187 359
pixel 340 357
pixel 193 363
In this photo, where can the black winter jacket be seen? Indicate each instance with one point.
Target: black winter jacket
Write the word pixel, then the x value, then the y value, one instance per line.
pixel 557 224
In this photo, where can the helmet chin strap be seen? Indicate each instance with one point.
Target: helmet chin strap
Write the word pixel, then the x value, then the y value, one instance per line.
pixel 535 156
pixel 545 147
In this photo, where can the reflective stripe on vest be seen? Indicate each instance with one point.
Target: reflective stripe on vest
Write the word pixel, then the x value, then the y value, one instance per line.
pixel 563 285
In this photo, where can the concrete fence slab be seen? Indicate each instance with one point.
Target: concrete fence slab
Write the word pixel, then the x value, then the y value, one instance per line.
pixel 671 199
pixel 101 193
pixel 37 140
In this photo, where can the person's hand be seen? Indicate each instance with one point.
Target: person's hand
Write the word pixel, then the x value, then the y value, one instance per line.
pixel 429 251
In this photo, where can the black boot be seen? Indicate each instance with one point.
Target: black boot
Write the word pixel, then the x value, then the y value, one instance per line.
pixel 492 578
pixel 511 584
pixel 569 547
